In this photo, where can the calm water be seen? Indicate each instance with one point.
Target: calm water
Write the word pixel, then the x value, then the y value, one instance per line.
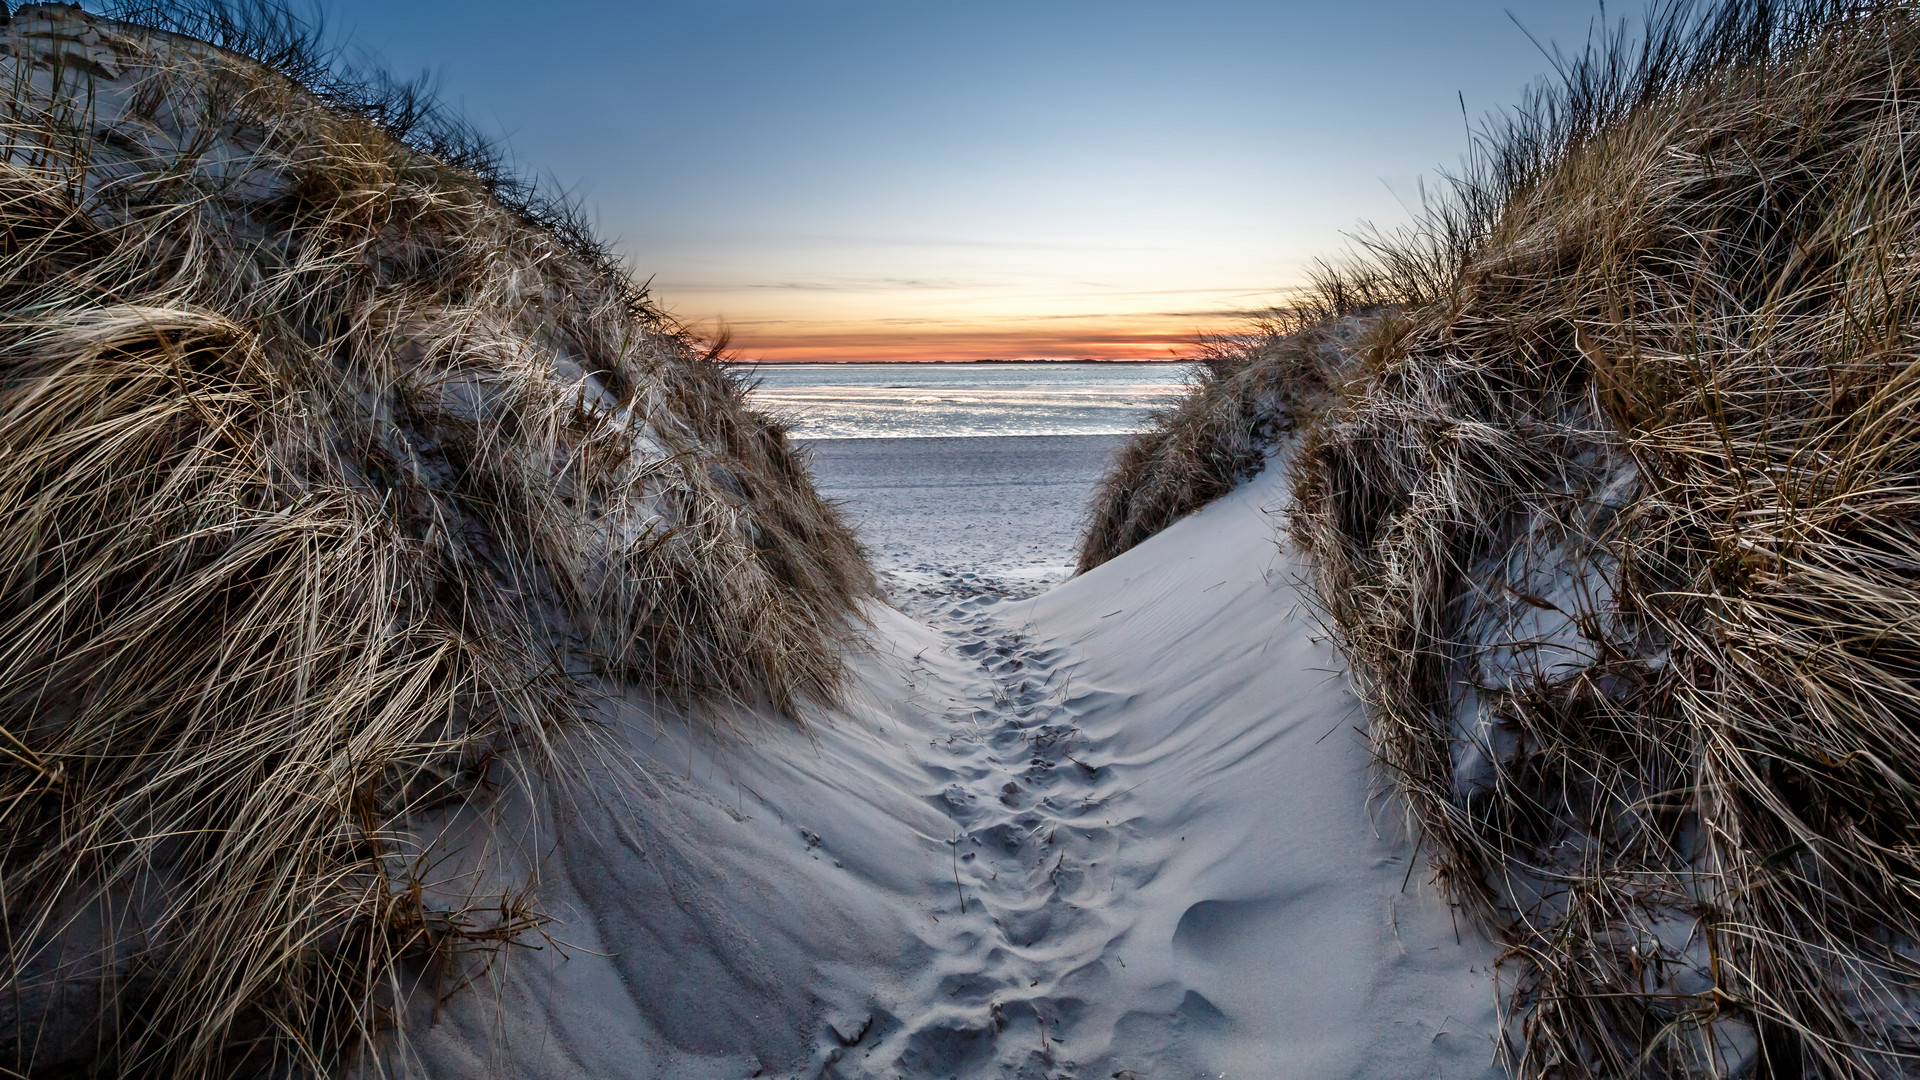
pixel 881 401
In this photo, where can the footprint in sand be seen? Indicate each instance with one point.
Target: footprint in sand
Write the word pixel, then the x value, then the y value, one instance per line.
pixel 1030 806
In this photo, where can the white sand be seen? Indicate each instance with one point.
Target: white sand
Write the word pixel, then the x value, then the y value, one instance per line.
pixel 1163 845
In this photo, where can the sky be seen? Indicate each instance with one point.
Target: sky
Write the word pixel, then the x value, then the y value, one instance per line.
pixel 917 180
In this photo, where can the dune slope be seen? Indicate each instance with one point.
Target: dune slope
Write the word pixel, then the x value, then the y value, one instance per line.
pixel 1119 829
pixel 334 476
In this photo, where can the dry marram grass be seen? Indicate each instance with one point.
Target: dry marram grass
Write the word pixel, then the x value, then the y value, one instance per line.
pixel 1614 501
pixel 330 474
pixel 1618 531
pixel 1246 395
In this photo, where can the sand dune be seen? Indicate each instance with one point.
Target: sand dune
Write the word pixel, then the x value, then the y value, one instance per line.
pixel 1120 829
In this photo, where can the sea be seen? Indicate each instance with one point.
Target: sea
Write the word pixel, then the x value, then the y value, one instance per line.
pixel 891 401
pixel 965 478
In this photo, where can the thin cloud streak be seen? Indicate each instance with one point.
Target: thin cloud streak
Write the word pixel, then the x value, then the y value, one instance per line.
pixel 905 320
pixel 1093 339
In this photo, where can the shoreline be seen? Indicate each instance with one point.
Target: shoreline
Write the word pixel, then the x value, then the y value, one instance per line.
pixel 974 513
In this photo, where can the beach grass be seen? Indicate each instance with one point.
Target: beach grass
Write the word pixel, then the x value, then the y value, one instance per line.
pixel 1612 508
pixel 1618 533
pixel 1252 388
pixel 1248 391
pixel 338 469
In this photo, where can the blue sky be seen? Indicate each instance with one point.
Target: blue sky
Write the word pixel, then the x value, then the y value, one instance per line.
pixel 857 179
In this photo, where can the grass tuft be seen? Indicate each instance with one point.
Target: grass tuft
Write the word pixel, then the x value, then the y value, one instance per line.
pixel 336 467
pixel 1612 490
pixel 1249 391
pixel 1618 532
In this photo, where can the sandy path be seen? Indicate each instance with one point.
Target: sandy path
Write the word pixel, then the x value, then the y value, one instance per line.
pixel 1035 854
pixel 1163 843
pixel 1119 829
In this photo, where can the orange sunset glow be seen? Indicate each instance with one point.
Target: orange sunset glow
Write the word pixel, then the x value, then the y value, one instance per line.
pixel 1139 337
pixel 905 303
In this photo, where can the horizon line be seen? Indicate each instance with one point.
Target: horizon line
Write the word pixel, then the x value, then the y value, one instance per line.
pixel 979 360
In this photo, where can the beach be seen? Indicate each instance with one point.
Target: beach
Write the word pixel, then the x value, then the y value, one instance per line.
pixel 994 512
